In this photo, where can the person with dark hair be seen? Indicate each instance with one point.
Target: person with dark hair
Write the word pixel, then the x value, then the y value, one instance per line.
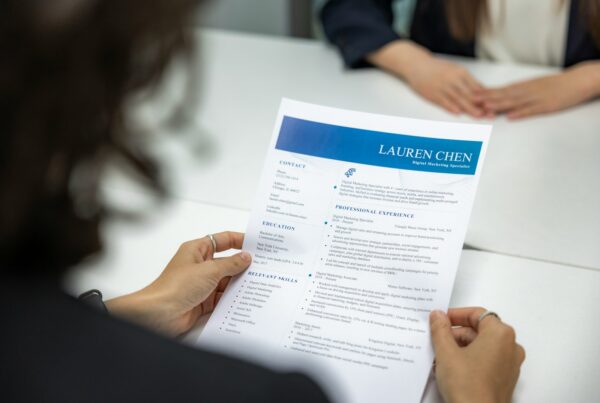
pixel 546 32
pixel 66 72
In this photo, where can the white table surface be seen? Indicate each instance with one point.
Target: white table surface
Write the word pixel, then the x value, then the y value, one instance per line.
pixel 539 195
pixel 554 308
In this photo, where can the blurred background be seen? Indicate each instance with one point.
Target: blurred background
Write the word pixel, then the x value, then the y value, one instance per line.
pixel 272 17
pixel 295 18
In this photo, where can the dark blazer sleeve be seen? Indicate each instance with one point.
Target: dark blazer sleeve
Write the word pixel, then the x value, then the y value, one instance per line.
pixel 88 356
pixel 580 44
pixel 358 27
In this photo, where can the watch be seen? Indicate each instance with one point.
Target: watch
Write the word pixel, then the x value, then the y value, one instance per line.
pixel 93 298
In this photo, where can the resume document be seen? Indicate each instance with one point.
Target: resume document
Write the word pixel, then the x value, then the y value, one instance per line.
pixel 356 234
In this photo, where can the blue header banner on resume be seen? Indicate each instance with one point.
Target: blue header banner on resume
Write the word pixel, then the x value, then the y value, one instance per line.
pixel 383 149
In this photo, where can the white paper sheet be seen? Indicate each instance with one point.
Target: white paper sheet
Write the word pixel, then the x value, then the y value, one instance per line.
pixel 356 234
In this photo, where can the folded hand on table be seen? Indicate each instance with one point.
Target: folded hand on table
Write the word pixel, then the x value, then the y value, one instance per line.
pixel 454 88
pixel 189 287
pixel 543 95
pixel 475 361
pixel 447 84
pixel 440 81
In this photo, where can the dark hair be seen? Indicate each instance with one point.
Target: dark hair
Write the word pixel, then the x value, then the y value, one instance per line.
pixel 464 17
pixel 66 68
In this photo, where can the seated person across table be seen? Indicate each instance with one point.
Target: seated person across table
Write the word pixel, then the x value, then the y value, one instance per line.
pixel 66 72
pixel 546 32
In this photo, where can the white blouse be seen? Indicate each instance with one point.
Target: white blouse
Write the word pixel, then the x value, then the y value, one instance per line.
pixel 525 31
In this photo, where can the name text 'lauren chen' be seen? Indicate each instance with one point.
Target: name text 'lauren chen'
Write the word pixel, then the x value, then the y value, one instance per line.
pixel 424 154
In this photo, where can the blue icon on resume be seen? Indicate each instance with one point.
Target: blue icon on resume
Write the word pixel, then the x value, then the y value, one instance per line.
pixel 350 172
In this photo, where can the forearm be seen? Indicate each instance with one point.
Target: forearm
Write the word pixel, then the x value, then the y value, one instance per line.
pixel 399 57
pixel 587 78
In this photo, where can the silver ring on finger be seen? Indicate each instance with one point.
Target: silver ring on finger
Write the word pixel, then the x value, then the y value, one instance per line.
pixel 213 242
pixel 486 314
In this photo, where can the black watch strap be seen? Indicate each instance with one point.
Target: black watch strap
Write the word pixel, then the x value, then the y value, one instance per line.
pixel 93 298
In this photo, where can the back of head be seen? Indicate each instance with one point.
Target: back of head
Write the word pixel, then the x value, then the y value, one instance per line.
pixel 67 67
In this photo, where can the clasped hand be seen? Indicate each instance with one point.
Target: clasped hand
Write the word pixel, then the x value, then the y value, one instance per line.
pixel 452 87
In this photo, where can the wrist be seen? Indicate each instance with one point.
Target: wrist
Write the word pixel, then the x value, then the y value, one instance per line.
pixel 587 76
pixel 142 307
pixel 400 57
pixel 125 306
pixel 473 392
pixel 475 398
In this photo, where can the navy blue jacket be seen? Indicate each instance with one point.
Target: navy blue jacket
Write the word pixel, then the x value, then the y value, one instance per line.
pixel 54 348
pixel 359 27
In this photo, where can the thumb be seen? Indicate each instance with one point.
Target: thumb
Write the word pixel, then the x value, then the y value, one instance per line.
pixel 230 266
pixel 441 333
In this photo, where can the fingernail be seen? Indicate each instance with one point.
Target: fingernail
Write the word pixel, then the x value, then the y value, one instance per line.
pixel 246 256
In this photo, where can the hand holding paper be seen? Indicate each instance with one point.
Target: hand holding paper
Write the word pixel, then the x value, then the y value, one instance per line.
pixel 475 362
pixel 356 234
